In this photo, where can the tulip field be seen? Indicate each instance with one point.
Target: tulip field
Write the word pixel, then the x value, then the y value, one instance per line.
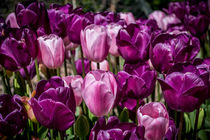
pixel 79 71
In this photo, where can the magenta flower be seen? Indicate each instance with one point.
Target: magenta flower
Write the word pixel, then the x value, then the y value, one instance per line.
pixel 51 50
pixel 154 117
pixel 99 91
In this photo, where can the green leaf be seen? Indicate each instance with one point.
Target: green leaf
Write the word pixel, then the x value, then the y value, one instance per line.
pixel 42 132
pixel 124 115
pixel 82 126
pixel 187 122
pixel 200 118
pixel 202 134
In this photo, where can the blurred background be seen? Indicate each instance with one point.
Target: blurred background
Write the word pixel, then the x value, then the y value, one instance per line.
pixel 140 8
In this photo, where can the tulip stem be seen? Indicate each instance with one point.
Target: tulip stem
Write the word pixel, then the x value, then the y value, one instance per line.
pixel 28 80
pixel 65 67
pixel 110 63
pixel 73 65
pixel 58 72
pixel 98 66
pixel 115 66
pixel 6 89
pixel 61 135
pixel 83 64
pixel 122 61
pixel 196 125
pixel 51 134
pixel 37 70
pixel 180 125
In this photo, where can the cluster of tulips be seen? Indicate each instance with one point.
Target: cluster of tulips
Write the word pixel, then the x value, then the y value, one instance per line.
pixel 102 76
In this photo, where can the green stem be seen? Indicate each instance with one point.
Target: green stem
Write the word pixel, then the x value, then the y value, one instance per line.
pixel 65 67
pixel 51 134
pixel 83 64
pixel 110 63
pixel 28 81
pixel 121 62
pixel 37 70
pixel 61 135
pixel 196 125
pixel 73 65
pixel 4 83
pixel 115 66
pixel 58 72
pixel 180 125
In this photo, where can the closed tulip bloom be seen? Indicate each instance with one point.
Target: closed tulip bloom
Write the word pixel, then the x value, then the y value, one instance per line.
pixel 154 117
pixel 128 17
pixel 51 49
pixel 11 20
pixel 19 49
pixel 133 44
pixel 99 91
pixel 31 71
pixel 78 65
pixel 95 42
pixel 104 65
pixel 13 116
pixel 76 84
pixel 172 131
pixel 168 49
pixel 184 88
pixel 112 30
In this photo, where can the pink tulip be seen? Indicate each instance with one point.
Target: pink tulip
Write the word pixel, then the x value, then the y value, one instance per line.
pixel 76 84
pixel 112 30
pixel 51 50
pixel 154 117
pixel 104 65
pixel 11 19
pixel 95 42
pixel 99 91
pixel 128 17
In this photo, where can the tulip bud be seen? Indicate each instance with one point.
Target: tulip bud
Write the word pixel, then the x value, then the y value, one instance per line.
pixel 51 48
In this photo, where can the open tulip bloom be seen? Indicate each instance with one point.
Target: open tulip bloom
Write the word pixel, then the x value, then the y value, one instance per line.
pixel 71 74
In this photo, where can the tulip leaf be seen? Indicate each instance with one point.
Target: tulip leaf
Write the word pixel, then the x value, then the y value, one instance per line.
pixel 203 135
pixel 82 126
pixel 200 118
pixel 19 84
pixel 124 115
pixel 42 132
pixel 187 122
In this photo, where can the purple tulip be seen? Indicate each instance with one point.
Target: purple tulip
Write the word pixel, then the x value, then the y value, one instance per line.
pixel 133 44
pixel 76 84
pixel 112 30
pixel 19 49
pixel 95 42
pixel 137 81
pixel 113 129
pixel 154 117
pixel 128 17
pixel 32 14
pixel 178 8
pixel 13 116
pixel 168 49
pixel 78 65
pixel 51 49
pixel 172 131
pixel 184 89
pixel 31 71
pixel 76 23
pixel 99 91
pixel 11 20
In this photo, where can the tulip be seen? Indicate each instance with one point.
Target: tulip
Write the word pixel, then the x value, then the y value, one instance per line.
pixel 178 8
pixel 11 20
pixel 184 89
pixel 31 14
pixel 13 116
pixel 55 108
pixel 104 65
pixel 51 48
pixel 128 17
pixel 133 44
pixel 137 81
pixel 168 49
pixel 172 131
pixel 99 91
pixel 31 71
pixel 78 65
pixel 18 50
pixel 113 129
pixel 76 84
pixel 95 42
pixel 112 30
pixel 154 117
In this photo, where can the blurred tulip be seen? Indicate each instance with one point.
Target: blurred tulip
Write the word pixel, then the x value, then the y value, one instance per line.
pixel 51 49
pixel 154 117
pixel 172 131
pixel 78 65
pixel 104 65
pixel 184 89
pixel 31 71
pixel 137 81
pixel 128 17
pixel 168 49
pixel 178 8
pixel 133 44
pixel 11 20
pixel 95 42
pixel 99 91
pixel 76 84
pixel 18 50
pixel 116 130
pixel 112 30
pixel 13 116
